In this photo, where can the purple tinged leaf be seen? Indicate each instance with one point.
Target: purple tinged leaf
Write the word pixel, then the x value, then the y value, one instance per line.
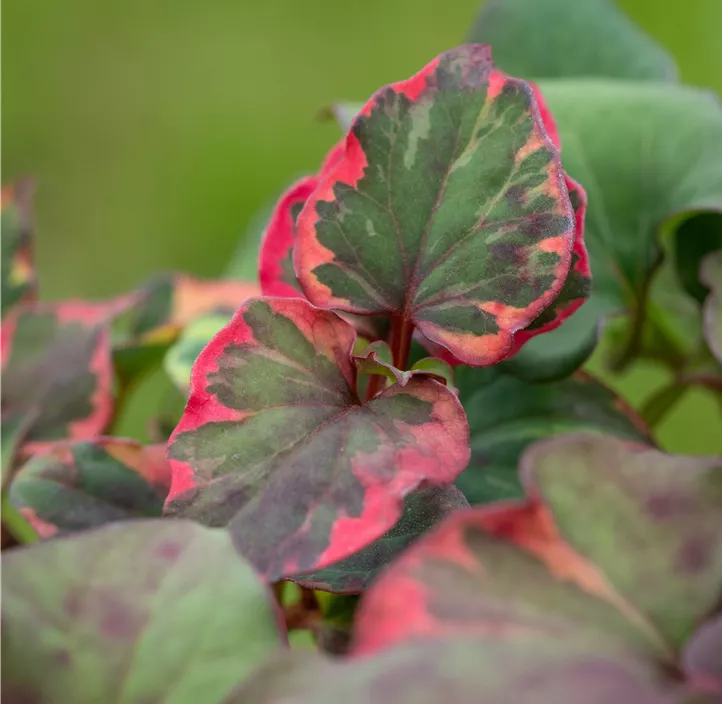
pixel 650 522
pixel 276 445
pixel 56 367
pixel 77 486
pixel 146 611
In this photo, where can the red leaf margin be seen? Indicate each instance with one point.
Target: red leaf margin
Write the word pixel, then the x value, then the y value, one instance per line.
pixel 580 255
pixel 149 461
pixel 395 610
pixel 351 168
pixel 97 315
pixel 443 458
pixel 279 236
pixel 346 161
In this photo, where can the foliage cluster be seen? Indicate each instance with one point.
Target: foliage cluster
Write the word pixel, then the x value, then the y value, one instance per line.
pixel 388 444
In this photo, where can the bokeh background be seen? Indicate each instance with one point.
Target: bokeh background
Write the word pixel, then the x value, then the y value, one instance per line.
pixel 158 129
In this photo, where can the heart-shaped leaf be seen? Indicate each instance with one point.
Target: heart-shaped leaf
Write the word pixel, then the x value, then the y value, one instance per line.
pixel 542 362
pixel 276 445
pixel 516 667
pixel 507 415
pixel 649 521
pixel 146 611
pixel 617 543
pixel 448 209
pixel 162 309
pixel 422 509
pixel 18 269
pixel 711 275
pixel 628 143
pixel 56 368
pixel 77 486
pixel 568 38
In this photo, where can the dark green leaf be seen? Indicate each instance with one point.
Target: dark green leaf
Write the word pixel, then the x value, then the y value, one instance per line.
pixel 711 275
pixel 507 415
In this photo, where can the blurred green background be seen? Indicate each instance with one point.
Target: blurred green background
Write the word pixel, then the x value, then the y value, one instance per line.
pixel 157 129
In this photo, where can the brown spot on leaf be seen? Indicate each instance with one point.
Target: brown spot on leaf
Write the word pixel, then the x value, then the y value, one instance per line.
pixel 694 554
pixel 664 505
pixel 117 619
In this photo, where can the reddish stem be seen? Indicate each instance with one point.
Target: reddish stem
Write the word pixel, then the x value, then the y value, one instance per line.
pixel 376 384
pixel 402 331
pixel 306 614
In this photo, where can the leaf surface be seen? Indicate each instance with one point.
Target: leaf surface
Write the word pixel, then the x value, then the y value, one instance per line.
pixel 569 39
pixel 77 486
pixel 162 310
pixel 422 510
pixel 543 361
pixel 503 572
pixel 507 415
pixel 628 143
pixel 448 208
pixel 133 612
pixel 650 522
pixel 276 445
pixel 19 282
pixel 56 367
pixel 491 670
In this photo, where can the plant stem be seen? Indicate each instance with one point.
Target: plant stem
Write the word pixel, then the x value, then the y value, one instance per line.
pixel 402 331
pixel 306 614
pixel 661 402
pixel 376 384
